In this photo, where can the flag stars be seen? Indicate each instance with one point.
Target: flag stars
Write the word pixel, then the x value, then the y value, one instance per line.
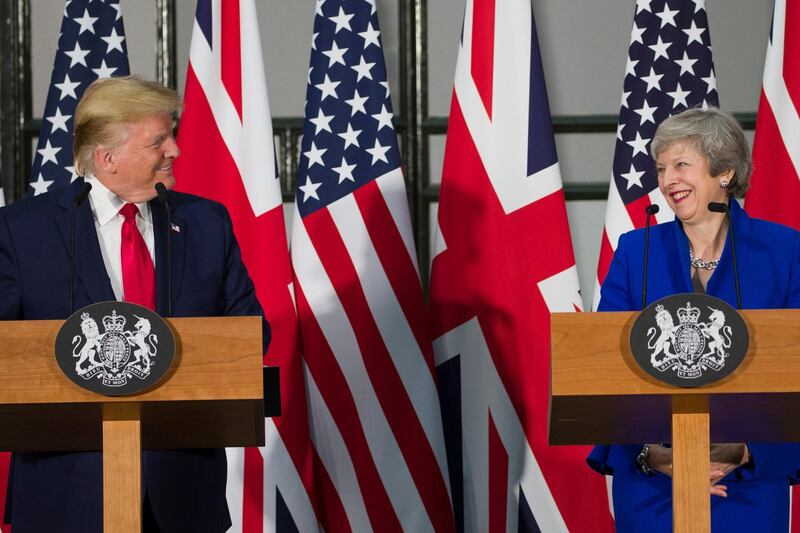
pixel 679 96
pixel 660 49
pixel 328 88
pixel 77 56
pixel 48 153
pixel 310 189
pixel 342 21
pixel 686 64
pixel 345 171
pixel 350 136
pixel 314 41
pixel 41 185
pixel 694 34
pixel 384 118
pixel 630 66
pixel 71 170
pixel 104 71
pixel 58 121
pixel 322 122
pixel 636 34
pixel 624 102
pixel 118 9
pixel 318 8
pixel 639 145
pixel 371 36
pixel 642 5
pixel 667 16
pixel 363 69
pixel 620 127
pixel 357 103
pixel 114 41
pixel 378 152
pixel 633 177
pixel 67 88
pixel 646 113
pixel 335 54
pixel 652 80
pixel 314 155
pixel 86 22
pixel 711 81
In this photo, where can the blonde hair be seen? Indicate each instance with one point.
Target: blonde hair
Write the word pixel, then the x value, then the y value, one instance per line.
pixel 109 105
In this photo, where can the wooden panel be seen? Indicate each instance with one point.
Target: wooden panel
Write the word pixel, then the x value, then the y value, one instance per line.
pixel 691 500
pixel 122 469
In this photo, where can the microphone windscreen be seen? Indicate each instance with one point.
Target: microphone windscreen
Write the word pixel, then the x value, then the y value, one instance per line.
pixel 652 209
pixel 717 207
pixel 82 193
pixel 161 190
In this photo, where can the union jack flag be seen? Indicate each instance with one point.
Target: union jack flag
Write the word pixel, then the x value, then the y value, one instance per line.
pixel 775 187
pixel 503 262
pixel 91 45
pixel 374 409
pixel 227 143
pixel 669 69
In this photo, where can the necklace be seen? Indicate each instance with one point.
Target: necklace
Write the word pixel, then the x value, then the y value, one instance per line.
pixel 699 263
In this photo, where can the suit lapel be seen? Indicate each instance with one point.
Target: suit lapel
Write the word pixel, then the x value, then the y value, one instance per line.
pixel 176 234
pixel 676 245
pixel 90 269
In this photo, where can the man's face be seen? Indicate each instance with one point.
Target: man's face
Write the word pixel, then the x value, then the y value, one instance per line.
pixel 145 158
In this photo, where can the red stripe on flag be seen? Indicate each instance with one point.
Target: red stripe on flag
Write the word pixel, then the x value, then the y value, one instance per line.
pixel 253 491
pixel 498 480
pixel 392 395
pixel 636 209
pixel 791 51
pixel 483 51
pixel 397 264
pixel 606 255
pixel 774 188
pixel 330 380
pixel 333 516
pixel 232 54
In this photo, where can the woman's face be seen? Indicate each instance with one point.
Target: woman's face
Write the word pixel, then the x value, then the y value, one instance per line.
pixel 685 181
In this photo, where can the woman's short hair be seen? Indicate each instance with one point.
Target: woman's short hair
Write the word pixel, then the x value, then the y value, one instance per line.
pixel 714 134
pixel 109 105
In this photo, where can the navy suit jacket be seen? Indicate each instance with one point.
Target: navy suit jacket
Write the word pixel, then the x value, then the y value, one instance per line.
pixel 63 491
pixel 768 257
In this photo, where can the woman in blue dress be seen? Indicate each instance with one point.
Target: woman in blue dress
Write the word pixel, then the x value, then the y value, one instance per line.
pixel 702 156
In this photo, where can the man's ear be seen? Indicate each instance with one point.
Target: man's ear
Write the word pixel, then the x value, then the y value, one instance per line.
pixel 105 160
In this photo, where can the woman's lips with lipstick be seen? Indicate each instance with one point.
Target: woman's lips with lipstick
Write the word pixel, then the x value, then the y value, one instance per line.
pixel 679 196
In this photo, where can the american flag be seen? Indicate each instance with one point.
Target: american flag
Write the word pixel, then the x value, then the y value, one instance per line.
pixel 774 187
pixel 91 45
pixel 503 262
pixel 227 155
pixel 374 409
pixel 669 69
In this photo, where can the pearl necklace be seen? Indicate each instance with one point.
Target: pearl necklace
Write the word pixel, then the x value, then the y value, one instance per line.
pixel 699 263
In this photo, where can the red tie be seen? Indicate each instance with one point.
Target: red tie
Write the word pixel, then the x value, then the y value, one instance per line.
pixel 138 274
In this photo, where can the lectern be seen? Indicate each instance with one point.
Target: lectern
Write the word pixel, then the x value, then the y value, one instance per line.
pixel 600 396
pixel 212 397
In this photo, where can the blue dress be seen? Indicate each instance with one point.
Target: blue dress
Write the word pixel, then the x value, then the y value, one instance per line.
pixel 769 275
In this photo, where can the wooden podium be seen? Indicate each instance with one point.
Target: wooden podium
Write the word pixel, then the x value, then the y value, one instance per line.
pixel 212 397
pixel 600 396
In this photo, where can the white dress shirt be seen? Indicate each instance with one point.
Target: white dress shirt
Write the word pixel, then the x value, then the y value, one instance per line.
pixel 108 222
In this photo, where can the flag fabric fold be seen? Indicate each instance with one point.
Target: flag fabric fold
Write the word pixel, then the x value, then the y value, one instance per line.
pixel 374 410
pixel 228 155
pixel 669 68
pixel 503 262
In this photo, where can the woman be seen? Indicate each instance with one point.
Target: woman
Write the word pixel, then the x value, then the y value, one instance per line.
pixel 701 157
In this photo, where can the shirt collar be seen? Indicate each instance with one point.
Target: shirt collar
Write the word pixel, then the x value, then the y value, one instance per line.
pixel 106 204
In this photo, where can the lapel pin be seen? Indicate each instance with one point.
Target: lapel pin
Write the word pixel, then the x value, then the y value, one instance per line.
pixel 176 228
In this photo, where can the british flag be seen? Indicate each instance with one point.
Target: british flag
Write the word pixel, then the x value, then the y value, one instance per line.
pixel 227 143
pixel 774 187
pixel 374 409
pixel 503 262
pixel 669 69
pixel 91 45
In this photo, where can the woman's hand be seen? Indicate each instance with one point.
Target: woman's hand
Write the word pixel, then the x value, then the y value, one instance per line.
pixel 725 458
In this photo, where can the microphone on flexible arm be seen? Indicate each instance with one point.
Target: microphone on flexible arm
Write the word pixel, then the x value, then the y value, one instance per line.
pixel 718 207
pixel 163 199
pixel 83 192
pixel 651 210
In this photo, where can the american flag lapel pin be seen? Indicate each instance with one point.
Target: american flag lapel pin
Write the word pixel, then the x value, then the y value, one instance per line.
pixel 175 227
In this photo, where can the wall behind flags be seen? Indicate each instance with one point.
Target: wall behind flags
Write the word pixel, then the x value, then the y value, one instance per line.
pixel 584 45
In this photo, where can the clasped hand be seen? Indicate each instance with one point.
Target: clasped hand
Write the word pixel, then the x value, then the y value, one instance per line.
pixel 725 458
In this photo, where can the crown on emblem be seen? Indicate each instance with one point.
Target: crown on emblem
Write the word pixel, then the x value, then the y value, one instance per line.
pixel 688 314
pixel 85 317
pixel 114 322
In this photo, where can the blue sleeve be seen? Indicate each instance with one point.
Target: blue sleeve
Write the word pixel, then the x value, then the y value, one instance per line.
pixel 10 291
pixel 615 292
pixel 239 294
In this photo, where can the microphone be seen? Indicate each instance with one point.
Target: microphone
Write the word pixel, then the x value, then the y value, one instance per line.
pixel 163 199
pixel 651 210
pixel 83 192
pixel 718 207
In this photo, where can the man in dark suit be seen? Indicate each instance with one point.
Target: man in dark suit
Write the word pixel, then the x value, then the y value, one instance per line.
pixel 123 146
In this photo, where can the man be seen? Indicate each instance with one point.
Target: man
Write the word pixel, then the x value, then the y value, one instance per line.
pixel 123 147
